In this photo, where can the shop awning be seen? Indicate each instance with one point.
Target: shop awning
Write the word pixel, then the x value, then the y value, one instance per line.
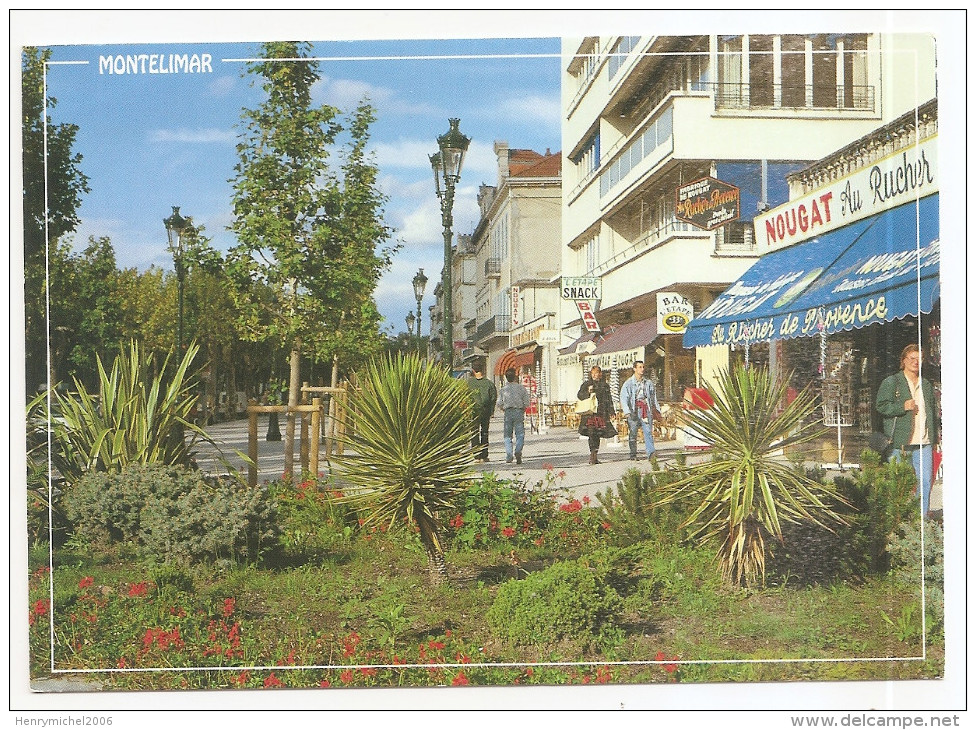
pixel 878 269
pixel 515 358
pixel 627 336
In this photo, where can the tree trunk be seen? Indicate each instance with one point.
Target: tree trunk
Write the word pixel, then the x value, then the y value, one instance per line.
pixel 294 386
pixel 436 565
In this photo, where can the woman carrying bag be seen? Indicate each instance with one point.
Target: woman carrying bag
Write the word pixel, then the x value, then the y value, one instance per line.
pixel 599 424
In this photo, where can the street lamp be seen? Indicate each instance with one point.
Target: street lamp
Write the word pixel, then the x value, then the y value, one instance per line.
pixel 176 228
pixel 446 164
pixel 410 320
pixel 419 284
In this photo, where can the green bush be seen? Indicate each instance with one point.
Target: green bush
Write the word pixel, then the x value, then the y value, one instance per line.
pixel 172 514
pixel 493 510
pixel 631 509
pixel 878 498
pixel 310 519
pixel 574 600
pixel 908 555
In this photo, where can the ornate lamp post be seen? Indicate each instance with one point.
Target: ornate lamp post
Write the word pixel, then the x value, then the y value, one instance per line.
pixel 176 227
pixel 419 284
pixel 409 319
pixel 446 164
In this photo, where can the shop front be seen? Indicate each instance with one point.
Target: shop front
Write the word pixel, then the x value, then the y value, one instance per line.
pixel 835 310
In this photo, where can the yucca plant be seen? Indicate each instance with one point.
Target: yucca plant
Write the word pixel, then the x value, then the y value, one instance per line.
pixel 746 490
pixel 408 429
pixel 138 415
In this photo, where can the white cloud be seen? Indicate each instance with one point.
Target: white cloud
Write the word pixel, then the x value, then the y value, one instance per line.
pixel 183 135
pixel 543 109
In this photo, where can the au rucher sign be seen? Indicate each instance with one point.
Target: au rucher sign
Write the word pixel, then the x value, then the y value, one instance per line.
pixel 707 203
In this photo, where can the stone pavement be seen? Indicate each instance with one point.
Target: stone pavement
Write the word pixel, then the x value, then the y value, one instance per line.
pixel 560 452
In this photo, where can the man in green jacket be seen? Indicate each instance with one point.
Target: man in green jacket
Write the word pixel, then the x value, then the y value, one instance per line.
pixel 484 394
pixel 907 403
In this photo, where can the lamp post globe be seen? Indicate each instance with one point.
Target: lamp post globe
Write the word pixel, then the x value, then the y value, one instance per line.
pixel 446 164
pixel 409 319
pixel 419 285
pixel 176 229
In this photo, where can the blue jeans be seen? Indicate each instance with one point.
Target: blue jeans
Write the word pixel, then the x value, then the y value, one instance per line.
pixel 633 423
pixel 514 424
pixel 922 462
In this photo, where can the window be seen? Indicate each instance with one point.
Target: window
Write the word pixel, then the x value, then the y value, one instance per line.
pixel 760 70
pixel 793 69
pixel 619 53
pixel 592 249
pixel 824 70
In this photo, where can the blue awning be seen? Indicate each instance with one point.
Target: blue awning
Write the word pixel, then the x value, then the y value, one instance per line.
pixel 878 269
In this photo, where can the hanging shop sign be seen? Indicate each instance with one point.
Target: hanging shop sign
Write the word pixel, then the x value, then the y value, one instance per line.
pixel 707 203
pixel 589 318
pixel 586 288
pixel 674 312
pixel 516 311
pixel 904 176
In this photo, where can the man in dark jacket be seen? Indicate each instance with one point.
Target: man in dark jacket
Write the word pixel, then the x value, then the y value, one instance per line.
pixel 907 403
pixel 484 394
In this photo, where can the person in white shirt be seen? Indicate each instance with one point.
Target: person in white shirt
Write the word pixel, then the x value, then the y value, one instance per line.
pixel 512 401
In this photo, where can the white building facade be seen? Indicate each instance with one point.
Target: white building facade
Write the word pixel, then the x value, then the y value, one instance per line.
pixel 645 116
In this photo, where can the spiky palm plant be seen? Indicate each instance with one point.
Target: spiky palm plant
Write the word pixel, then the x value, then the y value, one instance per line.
pixel 138 415
pixel 409 438
pixel 746 489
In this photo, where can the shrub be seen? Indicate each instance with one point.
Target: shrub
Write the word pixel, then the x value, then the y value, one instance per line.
pixel 493 511
pixel 632 510
pixel 878 497
pixel 172 514
pixel 908 555
pixel 566 600
pixel 310 519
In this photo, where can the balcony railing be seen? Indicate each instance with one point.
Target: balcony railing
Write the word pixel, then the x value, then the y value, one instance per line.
pixel 791 96
pixel 500 324
pixel 493 267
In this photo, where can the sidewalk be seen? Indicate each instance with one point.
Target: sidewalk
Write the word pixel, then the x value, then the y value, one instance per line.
pixel 560 450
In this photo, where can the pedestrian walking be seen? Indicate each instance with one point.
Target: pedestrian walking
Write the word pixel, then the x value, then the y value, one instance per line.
pixel 907 403
pixel 512 402
pixel 638 401
pixel 599 424
pixel 484 394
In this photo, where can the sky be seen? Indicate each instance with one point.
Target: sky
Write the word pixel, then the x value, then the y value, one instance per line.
pixel 152 141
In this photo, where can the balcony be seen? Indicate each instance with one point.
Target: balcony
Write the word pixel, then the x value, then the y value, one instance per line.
pixel 791 96
pixel 497 326
pixel 493 267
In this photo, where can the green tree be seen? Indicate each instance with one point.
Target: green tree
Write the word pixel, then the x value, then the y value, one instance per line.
pixel 746 490
pixel 304 233
pixel 53 187
pixel 410 448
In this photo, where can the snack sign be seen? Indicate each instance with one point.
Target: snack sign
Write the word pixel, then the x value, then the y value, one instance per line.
pixel 707 203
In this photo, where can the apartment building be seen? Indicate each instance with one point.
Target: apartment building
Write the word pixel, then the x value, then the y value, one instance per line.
pixel 649 121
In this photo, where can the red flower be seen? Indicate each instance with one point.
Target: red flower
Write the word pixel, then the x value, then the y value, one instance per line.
pixel 272 681
pixel 228 609
pixel 346 677
pixel 562 474
pixel 325 683
pixel 242 678
pixel 367 671
pixel 574 506
pixel 456 522
pixel 586 500
pixel 435 645
pixel 86 582
pixel 40 607
pixel 459 680
pixel 137 589
pixel 605 525
pixel 508 532
pixel 121 664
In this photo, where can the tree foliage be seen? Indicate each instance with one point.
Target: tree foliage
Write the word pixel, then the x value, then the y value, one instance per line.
pixel 307 233
pixel 53 188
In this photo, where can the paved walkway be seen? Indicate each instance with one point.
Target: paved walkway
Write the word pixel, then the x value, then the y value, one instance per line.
pixel 560 452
